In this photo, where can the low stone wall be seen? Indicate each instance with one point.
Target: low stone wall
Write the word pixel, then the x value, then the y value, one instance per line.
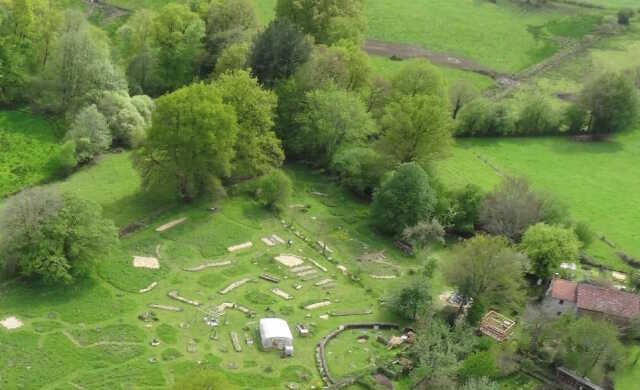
pixel 321 346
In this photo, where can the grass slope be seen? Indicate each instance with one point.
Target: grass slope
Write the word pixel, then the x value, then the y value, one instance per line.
pixel 27 144
pixel 93 330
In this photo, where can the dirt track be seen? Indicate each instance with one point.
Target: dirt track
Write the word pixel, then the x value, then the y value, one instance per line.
pixel 404 51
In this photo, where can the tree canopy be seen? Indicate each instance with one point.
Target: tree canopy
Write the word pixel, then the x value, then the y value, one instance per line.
pixel 403 199
pixel 53 237
pixel 190 145
pixel 547 246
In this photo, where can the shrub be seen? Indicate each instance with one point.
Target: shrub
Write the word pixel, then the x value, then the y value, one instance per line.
pixel 575 118
pixel 584 233
pixel 478 365
pixel 511 208
pixel 65 160
pixel 90 134
pixel 424 232
pixel 624 16
pixel 465 204
pixel 481 117
pixel 547 246
pixel 360 169
pixel 537 117
pixel 611 103
pixel 51 236
pixel 273 190
pixel 403 199
pixel 476 312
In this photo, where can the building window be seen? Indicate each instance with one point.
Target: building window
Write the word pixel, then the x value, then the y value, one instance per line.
pixel 559 313
pixel 561 301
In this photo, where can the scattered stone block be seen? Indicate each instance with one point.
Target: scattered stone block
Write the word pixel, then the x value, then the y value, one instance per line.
pixel 145 262
pixel 324 246
pixel 234 285
pixel 301 268
pixel 323 282
pixel 289 261
pixel 282 294
pixel 235 342
pixel 306 273
pixel 270 278
pixel 174 295
pixel 268 241
pixel 317 305
pixel 171 224
pixel 208 265
pixel 383 276
pixel 618 276
pixel 317 265
pixel 165 307
pixel 148 288
pixel 276 238
pixel 238 247
pixel 11 323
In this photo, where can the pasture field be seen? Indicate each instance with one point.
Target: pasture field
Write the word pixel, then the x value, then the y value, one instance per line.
pixel 89 335
pixel 27 144
pixel 512 37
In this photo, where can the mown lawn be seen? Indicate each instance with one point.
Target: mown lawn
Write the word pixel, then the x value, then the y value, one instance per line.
pixel 27 145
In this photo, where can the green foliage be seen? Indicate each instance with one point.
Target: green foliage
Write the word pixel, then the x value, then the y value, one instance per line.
pixel 127 117
pixel 465 209
pixel 274 189
pixel 511 208
pixel 360 169
pixel 190 144
pixel 482 117
pixel 331 119
pixel 478 365
pixel 585 345
pixel 423 233
pixel 328 21
pixel 461 93
pixel 89 133
pixel 28 144
pixel 136 44
pixel 257 149
pixel 345 66
pixel 611 102
pixel 403 199
pixel 486 268
pixel 78 69
pixel 65 161
pixel 278 52
pixel 416 128
pixel 412 301
pixel 232 58
pixel 547 246
pixel 229 24
pixel 419 77
pixel 537 117
pixel 57 238
pixel 482 383
pixel 178 34
pixel 476 312
pixel 584 233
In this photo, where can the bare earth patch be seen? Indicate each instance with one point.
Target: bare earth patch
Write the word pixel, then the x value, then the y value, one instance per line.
pixel 289 260
pixel 11 323
pixel 145 262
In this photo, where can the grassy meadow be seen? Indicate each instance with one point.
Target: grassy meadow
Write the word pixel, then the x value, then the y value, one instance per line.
pixel 27 144
pixel 89 335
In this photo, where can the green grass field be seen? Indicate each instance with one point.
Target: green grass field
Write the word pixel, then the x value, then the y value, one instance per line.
pixel 89 335
pixel 27 144
pixel 512 37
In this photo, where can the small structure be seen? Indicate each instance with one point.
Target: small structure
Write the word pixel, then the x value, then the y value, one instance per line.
pixel 496 326
pixel 275 334
pixel 565 296
pixel 303 331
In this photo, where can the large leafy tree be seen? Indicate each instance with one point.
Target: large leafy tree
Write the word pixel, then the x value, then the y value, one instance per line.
pixel 331 119
pixel 416 128
pixel 138 51
pixel 413 300
pixel 79 68
pixel 403 199
pixel 53 237
pixel 328 21
pixel 90 133
pixel 178 35
pixel 610 103
pixel 487 268
pixel 345 66
pixel 549 245
pixel 227 22
pixel 419 77
pixel 258 150
pixel 278 51
pixel 190 144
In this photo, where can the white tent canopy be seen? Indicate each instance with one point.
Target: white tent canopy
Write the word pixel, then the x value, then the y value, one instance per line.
pixel 275 333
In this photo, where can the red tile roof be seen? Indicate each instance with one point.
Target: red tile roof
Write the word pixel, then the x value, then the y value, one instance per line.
pixel 564 290
pixel 607 301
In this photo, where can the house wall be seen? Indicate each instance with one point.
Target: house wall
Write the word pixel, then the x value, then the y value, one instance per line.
pixel 553 307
